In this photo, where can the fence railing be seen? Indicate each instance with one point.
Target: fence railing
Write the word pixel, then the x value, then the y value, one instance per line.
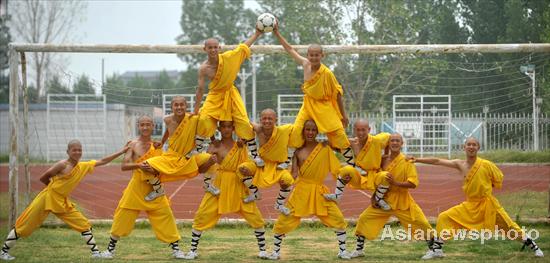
pixel 495 131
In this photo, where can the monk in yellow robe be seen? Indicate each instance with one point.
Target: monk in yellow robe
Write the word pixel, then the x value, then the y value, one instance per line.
pixel 175 164
pixel 402 176
pixel 481 211
pixel 369 157
pixel 322 101
pixel 60 180
pixel 313 162
pixel 274 152
pixel 132 202
pixel 223 102
pixel 230 155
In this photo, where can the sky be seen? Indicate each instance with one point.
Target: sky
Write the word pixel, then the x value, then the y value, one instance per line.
pixel 127 22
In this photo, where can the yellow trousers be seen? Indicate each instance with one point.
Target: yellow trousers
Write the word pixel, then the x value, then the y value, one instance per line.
pixel 445 222
pixel 207 215
pixel 162 221
pixel 369 181
pixel 207 126
pixel 337 139
pixel 372 220
pixel 35 214
pixel 333 219
pixel 278 176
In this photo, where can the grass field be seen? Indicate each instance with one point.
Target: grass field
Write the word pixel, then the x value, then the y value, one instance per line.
pixel 310 243
pixel 227 243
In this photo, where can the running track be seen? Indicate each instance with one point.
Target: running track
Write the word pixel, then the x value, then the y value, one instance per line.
pixel 439 189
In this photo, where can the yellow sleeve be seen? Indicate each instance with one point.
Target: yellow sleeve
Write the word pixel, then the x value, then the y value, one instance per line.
pixel 88 167
pixel 384 139
pixel 412 175
pixel 496 175
pixel 337 87
pixel 240 53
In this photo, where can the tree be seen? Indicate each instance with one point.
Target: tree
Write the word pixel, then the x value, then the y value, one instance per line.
pixel 226 20
pixel 5 38
pixel 36 21
pixel 54 86
pixel 83 85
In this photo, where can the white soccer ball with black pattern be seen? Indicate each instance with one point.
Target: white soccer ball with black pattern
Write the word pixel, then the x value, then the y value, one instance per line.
pixel 266 22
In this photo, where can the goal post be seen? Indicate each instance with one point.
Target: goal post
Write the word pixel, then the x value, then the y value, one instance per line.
pixel 17 83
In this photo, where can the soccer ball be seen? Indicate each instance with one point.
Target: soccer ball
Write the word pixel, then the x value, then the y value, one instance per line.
pixel 266 22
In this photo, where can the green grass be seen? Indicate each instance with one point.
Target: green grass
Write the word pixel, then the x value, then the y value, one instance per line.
pixel 309 243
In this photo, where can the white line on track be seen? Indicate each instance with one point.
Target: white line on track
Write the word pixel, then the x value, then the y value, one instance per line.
pixel 177 190
pixel 360 191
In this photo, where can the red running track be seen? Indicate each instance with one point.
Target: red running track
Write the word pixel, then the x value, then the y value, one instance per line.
pixel 439 189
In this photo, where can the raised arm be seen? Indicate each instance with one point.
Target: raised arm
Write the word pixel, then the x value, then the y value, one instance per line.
pixel 200 90
pixel 293 53
pixel 253 38
pixel 438 161
pixel 51 172
pixel 107 159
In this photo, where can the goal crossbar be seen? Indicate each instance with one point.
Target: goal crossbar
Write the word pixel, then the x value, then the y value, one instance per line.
pixel 277 49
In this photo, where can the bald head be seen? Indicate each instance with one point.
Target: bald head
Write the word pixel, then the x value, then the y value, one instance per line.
pixel 178 99
pixel 315 47
pixel 73 143
pixel 268 111
pixel 362 123
pixel 211 41
pixel 145 118
pixel 471 140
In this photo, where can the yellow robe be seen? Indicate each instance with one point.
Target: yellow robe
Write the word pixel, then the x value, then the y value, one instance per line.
pixel 172 164
pixel 481 208
pixel 372 220
pixel 55 199
pixel 370 158
pixel 232 193
pixel 132 202
pixel 137 189
pixel 320 104
pixel 307 198
pixel 223 102
pixel 273 152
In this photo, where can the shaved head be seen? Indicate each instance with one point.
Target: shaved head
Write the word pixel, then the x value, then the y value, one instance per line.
pixel 361 122
pixel 268 111
pixel 145 118
pixel 396 136
pixel 315 47
pixel 73 143
pixel 212 41
pixel 178 98
pixel 471 139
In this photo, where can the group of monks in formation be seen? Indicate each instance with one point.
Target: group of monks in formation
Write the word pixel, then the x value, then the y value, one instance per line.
pixel 235 170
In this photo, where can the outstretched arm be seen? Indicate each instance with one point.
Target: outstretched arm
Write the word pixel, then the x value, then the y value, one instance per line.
pixel 438 161
pixel 51 172
pixel 253 38
pixel 107 159
pixel 293 53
